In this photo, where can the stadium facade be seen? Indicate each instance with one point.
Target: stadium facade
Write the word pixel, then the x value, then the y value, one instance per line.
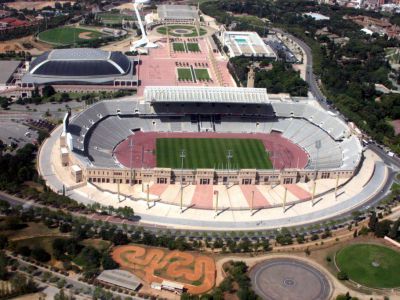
pixel 89 139
pixel 177 14
pixel 81 70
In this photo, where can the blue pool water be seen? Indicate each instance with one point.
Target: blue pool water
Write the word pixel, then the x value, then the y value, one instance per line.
pixel 241 41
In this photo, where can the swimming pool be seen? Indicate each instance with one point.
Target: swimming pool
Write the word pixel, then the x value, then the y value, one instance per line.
pixel 241 41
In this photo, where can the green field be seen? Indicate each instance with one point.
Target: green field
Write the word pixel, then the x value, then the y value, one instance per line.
pixel 67 35
pixel 202 74
pixel 211 153
pixel 357 261
pixel 113 17
pixel 185 74
pixel 178 47
pixel 193 47
pixel 193 31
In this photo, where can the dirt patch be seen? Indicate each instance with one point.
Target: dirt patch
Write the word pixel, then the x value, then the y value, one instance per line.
pixel 396 126
pixel 18 45
pixel 87 35
pixel 196 272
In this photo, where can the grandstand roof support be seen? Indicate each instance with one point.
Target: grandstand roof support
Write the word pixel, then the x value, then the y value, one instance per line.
pixel 182 156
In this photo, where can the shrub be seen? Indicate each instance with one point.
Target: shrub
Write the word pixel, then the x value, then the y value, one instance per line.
pixel 341 275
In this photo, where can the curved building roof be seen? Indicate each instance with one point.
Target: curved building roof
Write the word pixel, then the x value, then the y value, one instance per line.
pixel 80 62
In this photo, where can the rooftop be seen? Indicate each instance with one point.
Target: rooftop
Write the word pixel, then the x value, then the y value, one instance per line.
pixel 79 54
pixel 247 43
pixel 167 11
pixel 7 68
pixel 120 278
pixel 174 94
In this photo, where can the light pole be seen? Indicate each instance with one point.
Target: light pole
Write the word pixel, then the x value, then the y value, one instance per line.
pixel 229 156
pixel 182 156
pixel 318 146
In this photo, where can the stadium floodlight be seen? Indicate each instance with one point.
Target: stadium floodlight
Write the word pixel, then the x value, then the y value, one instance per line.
pixel 317 146
pixel 229 156
pixel 182 155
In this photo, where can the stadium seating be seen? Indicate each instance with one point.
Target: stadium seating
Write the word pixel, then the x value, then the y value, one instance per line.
pixel 96 131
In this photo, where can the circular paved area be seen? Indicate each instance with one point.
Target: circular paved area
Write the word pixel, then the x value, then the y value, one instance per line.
pixel 285 278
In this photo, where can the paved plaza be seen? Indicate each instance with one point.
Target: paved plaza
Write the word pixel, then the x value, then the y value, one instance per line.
pixel 289 279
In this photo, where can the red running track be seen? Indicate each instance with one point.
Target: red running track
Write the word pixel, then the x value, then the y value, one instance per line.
pixel 282 152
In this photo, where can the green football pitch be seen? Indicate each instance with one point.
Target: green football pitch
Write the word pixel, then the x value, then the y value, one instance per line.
pixel 370 265
pixel 212 153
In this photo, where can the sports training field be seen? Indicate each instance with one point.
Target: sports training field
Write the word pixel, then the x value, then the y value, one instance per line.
pixel 370 265
pixel 211 153
pixel 68 35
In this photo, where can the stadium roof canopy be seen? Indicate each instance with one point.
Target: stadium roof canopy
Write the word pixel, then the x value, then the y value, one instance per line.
pixel 80 66
pixel 183 94
pixel 80 62
pixel 177 12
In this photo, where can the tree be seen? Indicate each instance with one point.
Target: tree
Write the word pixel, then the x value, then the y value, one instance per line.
pixel 382 228
pixel 394 231
pixel 89 258
pixel 65 97
pixel 284 238
pixel 4 103
pixel 3 241
pixel 61 294
pixel 373 220
pixel 40 254
pixel 3 266
pixel 48 90
pixel 341 275
pixel 120 238
pixel 65 227
pixel 108 263
pixel 24 251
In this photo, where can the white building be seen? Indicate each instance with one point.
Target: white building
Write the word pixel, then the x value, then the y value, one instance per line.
pixel 245 43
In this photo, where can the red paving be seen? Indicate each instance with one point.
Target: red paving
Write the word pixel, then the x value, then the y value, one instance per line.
pixel 158 189
pixel 283 153
pixel 159 67
pixel 298 191
pixel 203 196
pixel 259 199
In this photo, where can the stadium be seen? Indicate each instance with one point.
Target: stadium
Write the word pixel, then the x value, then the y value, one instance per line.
pixel 81 69
pixel 208 140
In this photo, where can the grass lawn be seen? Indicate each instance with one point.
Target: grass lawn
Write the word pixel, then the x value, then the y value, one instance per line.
pixel 193 32
pixel 67 35
pixel 193 47
pixel 202 74
pixel 178 47
pixel 185 74
pixel 357 261
pixel 31 230
pixel 211 153
pixel 43 242
pixel 99 244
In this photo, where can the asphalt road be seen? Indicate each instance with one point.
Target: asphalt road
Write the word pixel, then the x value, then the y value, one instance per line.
pixel 310 77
